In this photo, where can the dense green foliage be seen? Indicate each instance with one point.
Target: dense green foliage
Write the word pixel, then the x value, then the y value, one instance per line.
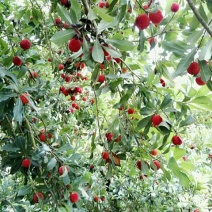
pixel 88 83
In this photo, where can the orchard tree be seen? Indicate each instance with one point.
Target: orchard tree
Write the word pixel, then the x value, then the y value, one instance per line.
pixel 105 105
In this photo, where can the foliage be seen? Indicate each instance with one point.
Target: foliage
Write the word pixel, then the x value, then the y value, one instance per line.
pixel 66 104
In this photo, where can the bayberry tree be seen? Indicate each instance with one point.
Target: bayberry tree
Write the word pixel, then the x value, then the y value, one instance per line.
pixel 105 105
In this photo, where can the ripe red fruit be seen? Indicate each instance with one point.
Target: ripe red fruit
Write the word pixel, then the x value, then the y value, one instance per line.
pixel 156 120
pixel 57 21
pixel 199 81
pixel 37 196
pixel 17 61
pixel 26 163
pixel 154 152
pixel 175 7
pixel 84 98
pixel 91 167
pixel 101 78
pixel 193 68
pixel 157 164
pixel 152 40
pixel 176 140
pixel 67 78
pixel 61 168
pixel 25 44
pixel 78 90
pixel 96 199
pixel 74 197
pixel 33 74
pixel 139 165
pixel 162 82
pixel 50 135
pixel 142 21
pixel 92 101
pixel 210 156
pixel 107 4
pixel 156 17
pixel 42 137
pixel 74 45
pixel 102 198
pixel 74 104
pixel 63 75
pixel 101 4
pixel 130 111
pixel 109 136
pixel 24 98
pixel 64 2
pixel 105 155
pixel 118 139
pixel 60 66
pixel 196 210
pixel 118 60
pixel 73 98
pixel 184 158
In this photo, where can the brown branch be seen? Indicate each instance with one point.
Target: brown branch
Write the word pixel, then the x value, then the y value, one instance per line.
pixel 199 18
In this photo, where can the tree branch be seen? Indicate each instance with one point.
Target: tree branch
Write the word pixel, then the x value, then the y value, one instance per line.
pixel 199 18
pixel 85 4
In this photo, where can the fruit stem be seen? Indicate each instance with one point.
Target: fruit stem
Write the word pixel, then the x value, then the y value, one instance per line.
pixel 30 131
pixel 199 18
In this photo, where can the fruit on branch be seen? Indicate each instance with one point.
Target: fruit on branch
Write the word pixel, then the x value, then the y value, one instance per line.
pixel 124 70
pixel 157 164
pixel 193 68
pixel 118 139
pixel 60 66
pixel 24 98
pixel 175 7
pixel 107 5
pixel 184 158
pixel 154 152
pixel 139 165
pixel 162 82
pixel 118 60
pixel 176 140
pixel 25 44
pixel 142 21
pixel 105 155
pixel 199 81
pixel 152 40
pixel 109 136
pixel 91 167
pixel 62 168
pixel 130 111
pixel 101 4
pixel 67 78
pixel 57 21
pixel 37 196
pixel 26 163
pixel 17 61
pixel 42 137
pixel 74 197
pixel 96 199
pixel 101 78
pixel 74 45
pixel 156 17
pixel 63 2
pixel 102 198
pixel 73 98
pixel 156 120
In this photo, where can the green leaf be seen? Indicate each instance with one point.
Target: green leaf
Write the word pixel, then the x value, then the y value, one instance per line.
pixel 102 14
pixel 105 25
pixel 165 139
pixel 62 37
pixel 113 53
pixel 184 64
pixel 51 164
pixel 64 14
pixel 146 111
pixel 76 7
pixel 122 12
pixel 205 71
pixel 126 96
pixel 73 16
pixel 10 148
pixel 142 40
pixel 65 147
pixel 209 5
pixel 24 190
pixel 178 152
pixel 66 179
pixel 122 45
pixel 188 121
pixel 6 95
pixel 97 53
pixel 166 102
pixel 18 111
pixel 144 122
pixel 206 51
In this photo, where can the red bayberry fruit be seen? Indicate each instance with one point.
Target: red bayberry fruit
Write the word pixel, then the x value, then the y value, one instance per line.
pixel 184 158
pixel 101 66
pixel 175 7
pixel 64 2
pixel 33 74
pixel 162 82
pixel 154 152
pixel 176 140
pixel 42 137
pixel 118 60
pixel 139 165
pixel 74 197
pixel 73 98
pixel 156 120
pixel 63 75
pixel 142 21
pixel 96 199
pixel 193 68
pixel 74 104
pixel 62 168
pixel 74 45
pixel 50 135
pixel 152 40
pixel 84 98
pixel 17 61
pixel 118 139
pixel 102 198
pixel 156 17
pixel 37 196
pixel 130 111
pixel 109 136
pixel 25 44
pixel 157 164
pixel 67 78
pixel 101 78
pixel 60 66
pixel 57 21
pixel 91 167
pixel 101 4
pixel 24 98
pixel 92 101
pixel 26 163
pixel 199 81
pixel 107 5
pixel 105 155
